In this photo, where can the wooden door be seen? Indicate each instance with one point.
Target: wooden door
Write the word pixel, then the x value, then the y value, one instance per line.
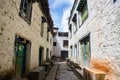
pixel 64 55
pixel 20 59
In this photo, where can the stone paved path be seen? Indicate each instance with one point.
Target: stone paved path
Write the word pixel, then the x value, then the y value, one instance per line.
pixel 65 73
pixel 52 73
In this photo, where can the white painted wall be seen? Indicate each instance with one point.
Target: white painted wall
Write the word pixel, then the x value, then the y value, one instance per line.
pixel 57 49
pixel 103 24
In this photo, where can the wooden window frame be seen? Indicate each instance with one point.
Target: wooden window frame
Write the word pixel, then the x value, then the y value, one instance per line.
pixel 65 43
pixel 84 12
pixel 48 30
pixel 83 9
pixel 42 29
pixel 26 10
pixel 86 50
pixel 47 54
pixel 54 43
pixel 70 29
pixel 75 22
pixel 43 20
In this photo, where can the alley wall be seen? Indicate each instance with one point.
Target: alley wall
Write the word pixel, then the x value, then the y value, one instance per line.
pixel 59 47
pixel 12 24
pixel 103 25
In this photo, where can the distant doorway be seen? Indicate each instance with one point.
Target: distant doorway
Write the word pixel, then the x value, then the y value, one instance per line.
pixel 47 54
pixel 64 55
pixel 41 51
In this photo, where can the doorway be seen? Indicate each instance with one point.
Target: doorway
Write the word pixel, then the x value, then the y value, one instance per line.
pixel 47 54
pixel 21 54
pixel 41 51
pixel 64 55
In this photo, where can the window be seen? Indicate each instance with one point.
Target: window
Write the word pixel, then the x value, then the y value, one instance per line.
pixel 114 1
pixel 85 49
pixel 42 29
pixel 54 44
pixel 65 43
pixel 75 22
pixel 50 54
pixel 63 34
pixel 26 10
pixel 71 52
pixel 70 29
pixel 75 53
pixel 42 25
pixel 82 7
pixel 47 55
pixel 84 12
pixel 48 34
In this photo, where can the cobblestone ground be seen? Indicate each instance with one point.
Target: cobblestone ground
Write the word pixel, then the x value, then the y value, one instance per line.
pixel 65 72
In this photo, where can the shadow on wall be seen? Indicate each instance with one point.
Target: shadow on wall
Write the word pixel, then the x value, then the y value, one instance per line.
pixel 7 74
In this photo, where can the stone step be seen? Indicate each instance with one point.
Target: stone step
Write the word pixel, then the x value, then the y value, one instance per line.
pixel 52 73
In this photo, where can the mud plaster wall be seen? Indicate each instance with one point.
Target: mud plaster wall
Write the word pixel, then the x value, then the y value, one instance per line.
pixel 10 24
pixel 103 24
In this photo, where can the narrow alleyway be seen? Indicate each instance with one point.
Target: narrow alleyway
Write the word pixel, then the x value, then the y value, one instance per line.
pixel 65 72
pixel 61 71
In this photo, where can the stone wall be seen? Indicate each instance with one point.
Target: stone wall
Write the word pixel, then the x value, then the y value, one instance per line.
pixel 12 24
pixel 103 24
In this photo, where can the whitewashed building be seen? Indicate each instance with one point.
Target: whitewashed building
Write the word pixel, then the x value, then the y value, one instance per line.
pixel 94 36
pixel 60 44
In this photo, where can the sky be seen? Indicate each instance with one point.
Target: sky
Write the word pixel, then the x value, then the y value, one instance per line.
pixel 60 12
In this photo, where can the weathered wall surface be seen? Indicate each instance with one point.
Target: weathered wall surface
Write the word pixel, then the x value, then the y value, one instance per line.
pixel 103 24
pixel 107 35
pixel 11 24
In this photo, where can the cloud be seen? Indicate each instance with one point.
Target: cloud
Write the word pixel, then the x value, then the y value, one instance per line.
pixel 59 3
pixel 60 11
pixel 56 18
pixel 64 20
pixel 66 14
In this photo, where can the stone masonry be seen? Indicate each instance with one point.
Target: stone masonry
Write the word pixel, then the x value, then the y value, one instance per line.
pixel 103 24
pixel 12 24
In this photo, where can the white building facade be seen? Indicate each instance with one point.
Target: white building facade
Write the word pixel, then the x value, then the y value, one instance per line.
pixel 60 44
pixel 94 36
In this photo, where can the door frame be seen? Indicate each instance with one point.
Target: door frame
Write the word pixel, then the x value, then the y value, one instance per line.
pixel 64 56
pixel 83 43
pixel 41 51
pixel 26 61
pixel 20 61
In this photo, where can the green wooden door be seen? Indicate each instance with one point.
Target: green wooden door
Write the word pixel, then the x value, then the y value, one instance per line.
pixel 20 59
